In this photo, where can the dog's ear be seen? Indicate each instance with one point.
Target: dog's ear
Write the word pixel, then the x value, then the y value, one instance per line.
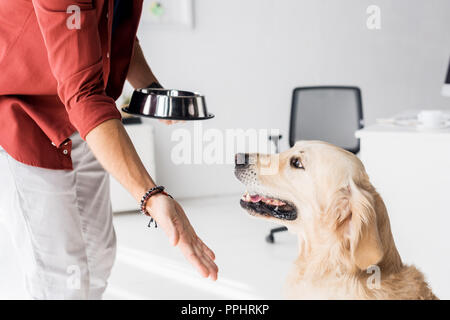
pixel 356 216
pixel 365 244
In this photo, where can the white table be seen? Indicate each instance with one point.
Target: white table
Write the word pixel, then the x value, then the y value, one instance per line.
pixel 411 170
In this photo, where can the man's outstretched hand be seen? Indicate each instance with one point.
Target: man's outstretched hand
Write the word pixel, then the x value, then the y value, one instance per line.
pixel 172 219
pixel 113 148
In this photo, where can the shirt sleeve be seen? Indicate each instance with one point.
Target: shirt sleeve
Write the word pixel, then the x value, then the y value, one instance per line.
pixel 75 57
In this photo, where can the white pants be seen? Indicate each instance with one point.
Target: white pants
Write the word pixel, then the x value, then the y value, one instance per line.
pixel 61 224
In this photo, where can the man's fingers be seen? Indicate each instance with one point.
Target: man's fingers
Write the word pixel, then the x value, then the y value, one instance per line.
pixel 207 261
pixel 208 255
pixel 167 122
pixel 199 259
pixel 212 267
pixel 170 122
pixel 192 257
pixel 208 251
pixel 193 248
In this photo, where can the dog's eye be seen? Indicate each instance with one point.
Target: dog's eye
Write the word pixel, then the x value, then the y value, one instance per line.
pixel 296 163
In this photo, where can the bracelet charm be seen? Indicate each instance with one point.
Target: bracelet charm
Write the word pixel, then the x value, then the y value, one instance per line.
pixel 151 192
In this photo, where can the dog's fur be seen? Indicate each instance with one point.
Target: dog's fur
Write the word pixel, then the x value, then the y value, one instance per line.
pixel 342 225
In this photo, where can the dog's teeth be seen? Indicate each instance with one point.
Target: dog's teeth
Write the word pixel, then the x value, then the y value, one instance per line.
pixel 246 197
pixel 255 198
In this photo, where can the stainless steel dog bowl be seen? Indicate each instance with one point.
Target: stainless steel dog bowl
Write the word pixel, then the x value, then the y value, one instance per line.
pixel 168 104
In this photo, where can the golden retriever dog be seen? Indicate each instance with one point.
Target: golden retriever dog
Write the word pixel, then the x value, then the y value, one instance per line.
pixel 323 195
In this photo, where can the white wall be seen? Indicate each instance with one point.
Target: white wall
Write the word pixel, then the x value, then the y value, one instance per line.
pixel 246 56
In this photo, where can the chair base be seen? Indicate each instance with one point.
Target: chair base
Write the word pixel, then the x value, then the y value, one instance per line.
pixel 270 237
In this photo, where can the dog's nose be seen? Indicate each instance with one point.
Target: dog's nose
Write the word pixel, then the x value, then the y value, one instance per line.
pixel 241 160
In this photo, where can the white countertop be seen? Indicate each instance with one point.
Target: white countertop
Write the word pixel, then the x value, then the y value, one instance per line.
pixel 387 128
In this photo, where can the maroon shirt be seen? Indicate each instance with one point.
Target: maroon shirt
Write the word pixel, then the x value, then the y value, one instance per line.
pixel 56 80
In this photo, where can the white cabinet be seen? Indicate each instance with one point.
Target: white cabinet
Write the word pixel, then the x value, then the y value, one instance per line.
pixel 143 140
pixel 411 170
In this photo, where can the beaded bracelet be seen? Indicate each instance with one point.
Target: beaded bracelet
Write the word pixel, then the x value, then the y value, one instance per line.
pixel 148 195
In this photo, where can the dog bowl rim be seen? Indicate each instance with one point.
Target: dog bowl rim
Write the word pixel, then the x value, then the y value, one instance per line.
pixel 154 91
pixel 126 110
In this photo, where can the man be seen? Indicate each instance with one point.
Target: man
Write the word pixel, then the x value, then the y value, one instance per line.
pixel 63 63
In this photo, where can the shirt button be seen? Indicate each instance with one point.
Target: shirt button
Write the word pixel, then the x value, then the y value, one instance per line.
pixel 65 151
pixel 107 15
pixel 107 55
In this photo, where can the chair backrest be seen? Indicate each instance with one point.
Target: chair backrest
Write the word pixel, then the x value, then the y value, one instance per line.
pixel 327 113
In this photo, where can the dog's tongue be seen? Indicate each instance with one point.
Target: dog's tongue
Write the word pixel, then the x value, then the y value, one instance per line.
pixel 255 198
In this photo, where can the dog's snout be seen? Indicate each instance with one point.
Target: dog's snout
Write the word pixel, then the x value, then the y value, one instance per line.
pixel 245 169
pixel 242 160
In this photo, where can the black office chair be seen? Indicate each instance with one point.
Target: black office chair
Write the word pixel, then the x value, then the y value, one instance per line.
pixel 327 113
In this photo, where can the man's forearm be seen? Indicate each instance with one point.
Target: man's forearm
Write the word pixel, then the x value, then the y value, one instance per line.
pixel 140 74
pixel 114 150
pixel 110 142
